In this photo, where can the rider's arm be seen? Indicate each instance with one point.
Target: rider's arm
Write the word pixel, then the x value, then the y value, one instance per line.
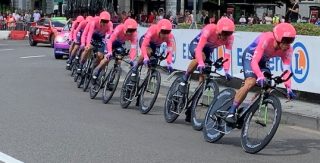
pixel 110 28
pixel 286 61
pixel 112 38
pixel 227 54
pixel 257 57
pixel 90 32
pixel 145 44
pixel 133 49
pixel 202 42
pixel 72 30
pixel 84 35
pixel 169 50
pixel 74 34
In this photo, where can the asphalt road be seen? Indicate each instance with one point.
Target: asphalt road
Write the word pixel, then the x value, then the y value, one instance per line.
pixel 45 118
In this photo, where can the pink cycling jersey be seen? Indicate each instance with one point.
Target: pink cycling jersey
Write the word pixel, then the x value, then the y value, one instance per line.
pixel 94 26
pixel 265 47
pixel 81 26
pixel 210 38
pixel 120 35
pixel 75 24
pixel 152 36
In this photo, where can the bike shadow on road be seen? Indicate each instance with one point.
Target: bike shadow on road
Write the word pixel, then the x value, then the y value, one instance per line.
pixel 286 147
pixel 291 147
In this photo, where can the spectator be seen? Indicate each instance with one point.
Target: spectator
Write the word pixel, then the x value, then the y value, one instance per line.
pixel 2 21
pixel 123 16
pixel 160 15
pixel 36 16
pixel 275 19
pixel 268 19
pixel 293 12
pixel 282 19
pixel 144 17
pixel 318 22
pixel 188 17
pixel 115 17
pixel 263 21
pixel 313 19
pixel 256 19
pixel 243 20
pixel 151 18
pixel 250 20
pixel 11 22
pixel 231 17
pixel 224 15
pixel 205 18
pixel 212 20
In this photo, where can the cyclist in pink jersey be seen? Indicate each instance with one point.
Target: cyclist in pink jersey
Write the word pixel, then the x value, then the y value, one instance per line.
pixel 152 40
pixel 73 27
pixel 201 48
pixel 123 32
pixel 98 29
pixel 76 37
pixel 255 59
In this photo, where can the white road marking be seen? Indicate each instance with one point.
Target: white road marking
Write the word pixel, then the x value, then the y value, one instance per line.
pixel 5 50
pixel 33 56
pixel 3 44
pixel 8 159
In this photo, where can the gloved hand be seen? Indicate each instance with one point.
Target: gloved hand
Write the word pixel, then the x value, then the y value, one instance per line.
pixel 261 82
pixel 69 42
pixel 82 47
pixel 146 61
pixel 131 63
pixel 290 94
pixel 227 75
pixel 108 56
pixel 169 68
pixel 201 67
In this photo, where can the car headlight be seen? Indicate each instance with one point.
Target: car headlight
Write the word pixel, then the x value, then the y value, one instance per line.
pixel 60 39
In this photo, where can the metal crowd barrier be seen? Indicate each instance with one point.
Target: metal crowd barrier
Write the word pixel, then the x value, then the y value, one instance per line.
pixel 20 26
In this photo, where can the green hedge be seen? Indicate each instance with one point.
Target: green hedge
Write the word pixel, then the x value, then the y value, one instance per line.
pixel 302 28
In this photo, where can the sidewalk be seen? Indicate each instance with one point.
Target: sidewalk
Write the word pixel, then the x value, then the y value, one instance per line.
pixel 298 113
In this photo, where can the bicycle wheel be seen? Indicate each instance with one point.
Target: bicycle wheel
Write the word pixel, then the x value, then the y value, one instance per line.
pixel 201 103
pixel 128 90
pixel 261 124
pixel 80 80
pixel 88 75
pixel 94 89
pixel 74 67
pixel 111 84
pixel 149 93
pixel 213 125
pixel 173 98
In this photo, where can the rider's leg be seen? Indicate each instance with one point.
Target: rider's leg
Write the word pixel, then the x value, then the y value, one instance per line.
pixel 84 57
pixel 71 48
pixel 100 64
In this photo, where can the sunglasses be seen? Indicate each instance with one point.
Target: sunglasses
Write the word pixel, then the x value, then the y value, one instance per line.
pixel 130 30
pixel 165 32
pixel 226 33
pixel 287 40
pixel 104 21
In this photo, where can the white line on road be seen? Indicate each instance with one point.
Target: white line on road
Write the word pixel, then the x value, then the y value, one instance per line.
pixel 3 44
pixel 8 159
pixel 33 56
pixel 5 50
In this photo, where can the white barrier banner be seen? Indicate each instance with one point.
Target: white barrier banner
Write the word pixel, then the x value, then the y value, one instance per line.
pixel 304 58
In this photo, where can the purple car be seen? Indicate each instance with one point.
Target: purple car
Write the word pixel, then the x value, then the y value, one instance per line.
pixel 61 43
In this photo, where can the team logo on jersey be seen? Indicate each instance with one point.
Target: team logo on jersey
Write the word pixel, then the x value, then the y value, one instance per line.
pixel 300 62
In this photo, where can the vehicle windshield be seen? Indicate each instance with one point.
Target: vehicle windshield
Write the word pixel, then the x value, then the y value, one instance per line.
pixel 67 27
pixel 58 24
